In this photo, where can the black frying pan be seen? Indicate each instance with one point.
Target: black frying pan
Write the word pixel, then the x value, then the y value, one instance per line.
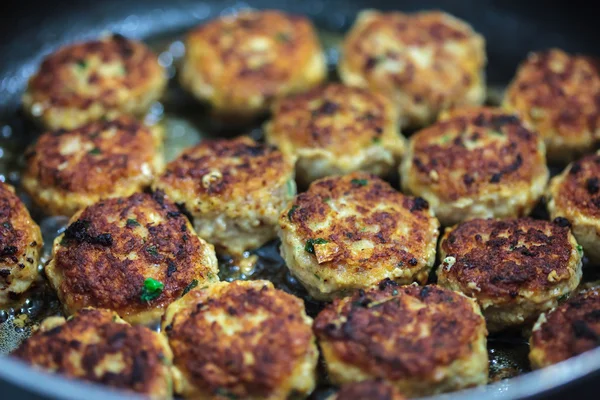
pixel 31 29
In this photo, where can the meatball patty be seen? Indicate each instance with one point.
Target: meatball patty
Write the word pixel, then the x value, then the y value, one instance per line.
pixel 476 163
pixel 367 390
pixel 97 346
pixel 350 232
pixel 574 198
pixel 69 170
pixel 87 81
pixel 557 94
pixel 423 340
pixel 336 129
pixel 133 255
pixel 234 189
pixel 20 245
pixel 515 268
pixel 243 340
pixel 240 63
pixel 426 62
pixel 568 330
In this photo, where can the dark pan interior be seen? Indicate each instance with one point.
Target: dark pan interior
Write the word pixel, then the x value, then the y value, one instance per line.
pixel 31 29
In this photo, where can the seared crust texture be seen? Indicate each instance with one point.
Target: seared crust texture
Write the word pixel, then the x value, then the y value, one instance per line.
pixel 476 163
pixel 239 64
pixel 111 248
pixel 69 170
pixel 557 93
pixel 425 62
pixel 234 189
pixel 350 232
pixel 337 129
pixel 424 340
pixel 569 330
pixel 87 81
pixel 515 268
pixel 20 245
pixel 97 346
pixel 244 340
pixel 574 197
pixel 368 390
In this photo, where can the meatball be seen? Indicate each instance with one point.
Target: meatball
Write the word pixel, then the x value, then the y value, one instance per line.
pixel 336 129
pixel 514 268
pixel 426 62
pixel 242 340
pixel 69 170
pixel 368 390
pixel 423 340
pixel 557 94
pixel 20 245
pixel 85 82
pixel 234 189
pixel 350 232
pixel 239 64
pixel 570 329
pixel 98 346
pixel 133 255
pixel 574 199
pixel 476 163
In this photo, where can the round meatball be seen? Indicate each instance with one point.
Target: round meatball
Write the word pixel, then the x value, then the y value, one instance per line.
pixel 234 189
pixel 367 390
pixel 350 232
pixel 574 199
pixel 69 170
pixel 133 255
pixel 84 82
pixel 426 62
pixel 336 129
pixel 98 346
pixel 476 163
pixel 557 94
pixel 515 268
pixel 242 340
pixel 20 245
pixel 240 63
pixel 569 330
pixel 423 340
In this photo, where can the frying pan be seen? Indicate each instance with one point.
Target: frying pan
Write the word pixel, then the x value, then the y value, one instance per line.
pixel 32 29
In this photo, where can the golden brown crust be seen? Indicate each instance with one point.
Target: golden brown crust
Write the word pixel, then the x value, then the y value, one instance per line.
pixel 501 259
pixel 112 247
pixel 368 390
pixel 242 339
pixel 84 346
pixel 568 330
pixel 475 151
pixel 558 94
pixel 579 190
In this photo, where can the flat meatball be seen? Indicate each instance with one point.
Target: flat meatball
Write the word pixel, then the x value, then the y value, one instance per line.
pixel 426 62
pixel 569 330
pixel 423 340
pixel 242 340
pixel 476 163
pixel 20 245
pixel 557 95
pixel 133 255
pixel 234 189
pixel 88 81
pixel 97 346
pixel 574 199
pixel 515 268
pixel 69 170
pixel 350 232
pixel 335 130
pixel 240 63
pixel 367 390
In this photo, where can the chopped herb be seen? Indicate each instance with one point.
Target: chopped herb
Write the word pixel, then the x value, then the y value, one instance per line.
pixel 291 187
pixel 132 223
pixel 292 211
pixel 189 287
pixel 446 138
pixel 326 199
pixel 579 249
pixel 114 318
pixel 497 133
pixel 123 70
pixel 377 140
pixel 563 297
pixel 310 244
pixel 317 276
pixel 400 264
pixel 7 225
pixel 81 64
pixel 283 37
pixel 225 393
pixel 359 182
pixel 152 250
pixel 395 292
pixel 151 289
pixel 95 151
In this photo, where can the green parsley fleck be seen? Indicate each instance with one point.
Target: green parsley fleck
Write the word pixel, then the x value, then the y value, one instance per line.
pixel 283 37
pixel 377 140
pixel 579 249
pixel 152 250
pixel 395 292
pixel 317 276
pixel 225 393
pixel 310 244
pixel 81 64
pixel 189 287
pixel 95 151
pixel 151 289
pixel 326 199
pixel 563 297
pixel 7 225
pixel 291 188
pixel 292 211
pixel 446 138
pixel 359 182
pixel 496 133
pixel 132 223
pixel 400 264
